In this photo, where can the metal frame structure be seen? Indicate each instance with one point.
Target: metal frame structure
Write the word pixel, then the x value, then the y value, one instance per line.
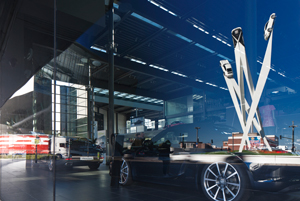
pixel 237 90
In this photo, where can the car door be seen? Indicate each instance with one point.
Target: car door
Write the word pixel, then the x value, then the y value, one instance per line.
pixel 154 161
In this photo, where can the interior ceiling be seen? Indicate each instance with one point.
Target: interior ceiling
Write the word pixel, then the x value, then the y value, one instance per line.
pixel 161 46
pixel 191 43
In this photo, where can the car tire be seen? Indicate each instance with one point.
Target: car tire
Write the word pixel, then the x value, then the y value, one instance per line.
pixel 225 181
pixel 94 166
pixel 125 173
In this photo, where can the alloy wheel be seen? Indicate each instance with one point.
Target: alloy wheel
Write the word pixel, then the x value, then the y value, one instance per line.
pixel 124 172
pixel 221 181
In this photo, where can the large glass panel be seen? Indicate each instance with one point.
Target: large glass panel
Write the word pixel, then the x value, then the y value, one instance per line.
pixel 26 99
pixel 189 79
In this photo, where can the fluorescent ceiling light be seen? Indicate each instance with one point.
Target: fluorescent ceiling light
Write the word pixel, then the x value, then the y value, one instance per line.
pixel 219 39
pixel 157 67
pixel 164 8
pixel 138 61
pixel 223 88
pixel 183 38
pixel 211 84
pixel 104 91
pixel 259 62
pixel 179 74
pixel 161 7
pixel 223 57
pixel 197 97
pixel 130 96
pixel 172 13
pixel 198 80
pixel 159 102
pixel 281 74
pixel 204 48
pixel 154 3
pixel 197 27
pixel 146 20
pixel 275 92
pixel 138 97
pixel 98 49
pixel 122 94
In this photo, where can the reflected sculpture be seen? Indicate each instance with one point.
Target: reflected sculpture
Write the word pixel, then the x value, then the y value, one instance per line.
pixel 237 91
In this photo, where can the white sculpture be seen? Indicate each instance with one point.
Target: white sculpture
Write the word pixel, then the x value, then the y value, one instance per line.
pixel 237 90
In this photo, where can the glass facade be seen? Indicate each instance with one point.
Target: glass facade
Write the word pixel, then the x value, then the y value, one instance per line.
pixel 71 110
pixel 188 77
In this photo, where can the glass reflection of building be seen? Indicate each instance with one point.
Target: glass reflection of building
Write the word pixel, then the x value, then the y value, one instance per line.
pixel 166 66
pixel 72 111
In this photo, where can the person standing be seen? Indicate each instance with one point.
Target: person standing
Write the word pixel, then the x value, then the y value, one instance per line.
pixel 267 113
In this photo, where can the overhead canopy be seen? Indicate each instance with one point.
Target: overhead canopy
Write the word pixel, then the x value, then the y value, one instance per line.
pixel 161 53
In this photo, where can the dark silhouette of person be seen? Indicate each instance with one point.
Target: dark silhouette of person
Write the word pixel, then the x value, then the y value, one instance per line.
pixel 164 155
pixel 117 146
pixel 139 138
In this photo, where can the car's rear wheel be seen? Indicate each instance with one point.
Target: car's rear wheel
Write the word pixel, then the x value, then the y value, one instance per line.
pixel 224 181
pixel 94 166
pixel 125 174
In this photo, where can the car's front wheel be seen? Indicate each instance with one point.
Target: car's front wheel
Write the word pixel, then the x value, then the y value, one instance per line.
pixel 223 181
pixel 125 173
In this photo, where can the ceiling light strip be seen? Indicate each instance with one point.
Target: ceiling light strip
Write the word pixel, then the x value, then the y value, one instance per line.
pixel 183 37
pixel 129 96
pixel 197 27
pixel 204 48
pixel 223 57
pixel 198 80
pixel 159 68
pixel 179 74
pixel 163 8
pixel 98 49
pixel 222 41
pixel 138 61
pixel 146 20
pixel 213 85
